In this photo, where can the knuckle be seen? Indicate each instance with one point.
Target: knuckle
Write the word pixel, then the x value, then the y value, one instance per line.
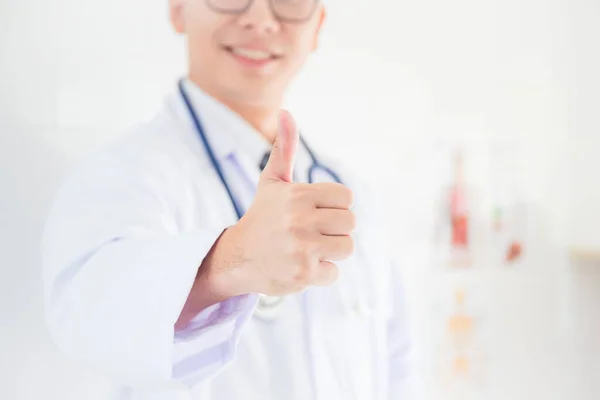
pixel 331 274
pixel 301 278
pixel 291 223
pixel 298 252
pixel 350 247
pixel 349 196
pixel 305 275
pixel 335 273
pixel 303 251
pixel 327 274
pixel 308 264
pixel 298 193
pixel 312 246
pixel 296 224
pixel 352 220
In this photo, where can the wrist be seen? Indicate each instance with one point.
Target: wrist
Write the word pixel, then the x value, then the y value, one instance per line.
pixel 223 267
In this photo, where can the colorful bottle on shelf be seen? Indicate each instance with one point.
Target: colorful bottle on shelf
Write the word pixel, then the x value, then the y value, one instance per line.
pixel 459 215
pixel 461 358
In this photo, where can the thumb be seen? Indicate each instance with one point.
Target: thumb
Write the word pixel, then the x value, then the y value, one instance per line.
pixel 280 166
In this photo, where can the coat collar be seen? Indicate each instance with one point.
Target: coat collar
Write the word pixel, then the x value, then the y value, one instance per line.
pixel 227 132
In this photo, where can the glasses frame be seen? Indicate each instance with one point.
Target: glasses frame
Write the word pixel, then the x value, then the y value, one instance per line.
pixel 249 3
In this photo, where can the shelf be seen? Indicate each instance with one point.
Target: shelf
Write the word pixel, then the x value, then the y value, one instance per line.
pixel 587 255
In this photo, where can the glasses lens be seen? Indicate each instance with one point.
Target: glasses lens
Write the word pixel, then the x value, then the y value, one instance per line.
pixel 294 10
pixel 228 6
pixel 290 10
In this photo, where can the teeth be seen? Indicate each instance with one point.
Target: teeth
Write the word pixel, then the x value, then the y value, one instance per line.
pixel 252 54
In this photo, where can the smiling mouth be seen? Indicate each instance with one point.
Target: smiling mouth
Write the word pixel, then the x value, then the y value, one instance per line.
pixel 252 54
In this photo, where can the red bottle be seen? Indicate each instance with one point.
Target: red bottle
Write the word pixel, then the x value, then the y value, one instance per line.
pixel 459 212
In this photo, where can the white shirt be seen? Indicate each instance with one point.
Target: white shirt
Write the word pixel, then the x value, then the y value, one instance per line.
pixel 126 235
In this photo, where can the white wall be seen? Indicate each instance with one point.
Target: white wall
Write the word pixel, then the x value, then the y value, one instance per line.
pixel 394 78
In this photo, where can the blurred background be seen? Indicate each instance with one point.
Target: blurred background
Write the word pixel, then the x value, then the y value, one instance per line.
pixel 478 121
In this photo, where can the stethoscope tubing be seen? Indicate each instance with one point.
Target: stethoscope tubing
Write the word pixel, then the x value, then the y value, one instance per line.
pixel 315 166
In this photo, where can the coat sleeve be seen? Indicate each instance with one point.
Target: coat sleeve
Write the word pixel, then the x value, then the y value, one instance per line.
pixel 117 273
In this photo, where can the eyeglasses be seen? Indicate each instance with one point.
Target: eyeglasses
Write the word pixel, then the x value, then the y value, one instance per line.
pixel 284 10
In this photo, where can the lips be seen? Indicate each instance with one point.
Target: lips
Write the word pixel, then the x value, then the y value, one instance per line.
pixel 256 55
pixel 253 54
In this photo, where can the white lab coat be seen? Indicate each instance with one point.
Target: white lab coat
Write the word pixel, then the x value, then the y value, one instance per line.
pixel 123 243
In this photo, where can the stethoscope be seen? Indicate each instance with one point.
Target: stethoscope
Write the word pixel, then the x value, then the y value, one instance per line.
pixel 315 167
pixel 268 306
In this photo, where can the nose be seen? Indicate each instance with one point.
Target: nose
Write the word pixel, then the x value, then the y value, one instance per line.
pixel 259 18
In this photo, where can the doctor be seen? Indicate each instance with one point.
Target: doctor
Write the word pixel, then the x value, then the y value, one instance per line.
pixel 212 254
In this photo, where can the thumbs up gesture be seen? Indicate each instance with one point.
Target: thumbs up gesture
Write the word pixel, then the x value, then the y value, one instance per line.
pixel 293 233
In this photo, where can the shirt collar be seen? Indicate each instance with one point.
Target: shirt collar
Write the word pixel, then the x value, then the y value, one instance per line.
pixel 226 131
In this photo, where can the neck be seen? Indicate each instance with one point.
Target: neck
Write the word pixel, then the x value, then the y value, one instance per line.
pixel 264 118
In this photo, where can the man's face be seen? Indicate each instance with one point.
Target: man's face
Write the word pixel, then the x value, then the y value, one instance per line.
pixel 249 56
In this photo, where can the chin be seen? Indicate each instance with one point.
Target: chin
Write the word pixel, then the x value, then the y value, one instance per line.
pixel 253 95
pixel 253 89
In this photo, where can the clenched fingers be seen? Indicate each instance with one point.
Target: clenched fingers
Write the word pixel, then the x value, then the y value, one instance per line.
pixel 334 222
